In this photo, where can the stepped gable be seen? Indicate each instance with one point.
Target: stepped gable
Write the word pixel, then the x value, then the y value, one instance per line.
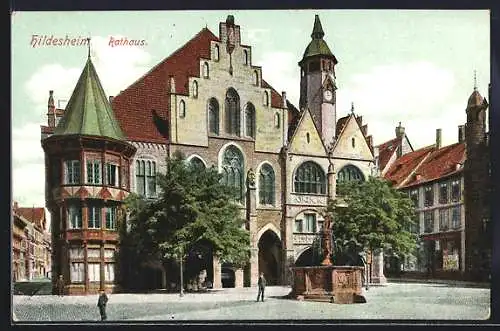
pixel 142 109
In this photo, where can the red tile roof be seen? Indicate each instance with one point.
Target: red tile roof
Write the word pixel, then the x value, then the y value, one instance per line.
pixel 442 162
pixel 142 109
pixel 429 163
pixel 34 215
pixel 386 150
pixel 406 164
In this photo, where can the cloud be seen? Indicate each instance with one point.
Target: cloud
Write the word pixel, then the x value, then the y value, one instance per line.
pixel 255 36
pixel 276 70
pixel 117 68
pixel 418 94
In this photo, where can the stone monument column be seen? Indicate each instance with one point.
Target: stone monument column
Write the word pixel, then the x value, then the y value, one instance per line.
pixel 238 278
pixel 252 226
pixel 378 267
pixel 332 182
pixel 217 272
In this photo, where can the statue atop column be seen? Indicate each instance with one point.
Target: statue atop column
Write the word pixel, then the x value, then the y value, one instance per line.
pixel 326 241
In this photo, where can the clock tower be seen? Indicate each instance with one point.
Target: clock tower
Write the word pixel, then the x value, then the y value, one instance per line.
pixel 317 83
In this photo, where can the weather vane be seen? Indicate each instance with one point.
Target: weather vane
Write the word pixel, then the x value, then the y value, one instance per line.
pixel 88 45
pixel 352 107
pixel 475 81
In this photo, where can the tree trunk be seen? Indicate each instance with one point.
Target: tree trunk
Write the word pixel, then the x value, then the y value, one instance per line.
pixel 163 278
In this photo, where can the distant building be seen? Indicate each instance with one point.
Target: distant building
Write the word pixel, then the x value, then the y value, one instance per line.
pixel 449 186
pixel 30 246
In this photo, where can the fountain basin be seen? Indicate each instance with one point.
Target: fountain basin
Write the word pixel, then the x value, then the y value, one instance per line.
pixel 335 284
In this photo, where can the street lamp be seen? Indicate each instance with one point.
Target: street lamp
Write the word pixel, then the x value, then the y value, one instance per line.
pixel 181 294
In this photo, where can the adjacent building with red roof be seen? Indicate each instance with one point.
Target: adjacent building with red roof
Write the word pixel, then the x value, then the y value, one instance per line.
pixel 435 178
pixel 31 245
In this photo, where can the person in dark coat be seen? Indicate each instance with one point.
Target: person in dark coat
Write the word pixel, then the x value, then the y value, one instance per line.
pixel 101 303
pixel 262 285
pixel 60 285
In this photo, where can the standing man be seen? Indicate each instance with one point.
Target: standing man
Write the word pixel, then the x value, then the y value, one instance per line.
pixel 101 303
pixel 60 285
pixel 262 286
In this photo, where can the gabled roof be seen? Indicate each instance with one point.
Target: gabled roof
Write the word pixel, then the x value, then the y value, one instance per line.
pixel 441 162
pixel 427 164
pixel 407 164
pixel 342 124
pixel 35 215
pixel 301 118
pixel 387 150
pixel 88 111
pixel 142 109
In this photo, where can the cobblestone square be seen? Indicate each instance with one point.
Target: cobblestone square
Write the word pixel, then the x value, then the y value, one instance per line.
pixel 412 301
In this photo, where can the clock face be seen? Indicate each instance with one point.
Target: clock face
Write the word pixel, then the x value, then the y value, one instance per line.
pixel 328 95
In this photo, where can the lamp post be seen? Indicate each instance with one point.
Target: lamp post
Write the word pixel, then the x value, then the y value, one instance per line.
pixel 181 293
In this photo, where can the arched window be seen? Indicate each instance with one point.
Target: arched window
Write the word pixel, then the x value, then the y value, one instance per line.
pixel 308 137
pixel 205 70
pixel 197 163
pixel 266 98
pixel 213 116
pixel 245 54
pixel 195 89
pixel 216 53
pixel 232 112
pixel 266 185
pixel 256 78
pixel 277 121
pixel 232 170
pixel 350 173
pixel 182 109
pixel 250 120
pixel 310 178
pixel 353 142
pixel 145 178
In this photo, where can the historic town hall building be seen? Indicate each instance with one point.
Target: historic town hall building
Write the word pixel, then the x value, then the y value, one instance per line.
pixel 210 102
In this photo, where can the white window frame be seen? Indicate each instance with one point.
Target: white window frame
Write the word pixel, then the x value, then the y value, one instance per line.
pixel 77 272
pixel 116 172
pixel 111 213
pixel 96 169
pixel 71 168
pixel 94 216
pixel 74 217
pixel 109 272
pixel 94 272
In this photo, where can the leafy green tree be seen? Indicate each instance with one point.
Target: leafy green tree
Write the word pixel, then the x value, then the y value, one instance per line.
pixel 193 207
pixel 376 216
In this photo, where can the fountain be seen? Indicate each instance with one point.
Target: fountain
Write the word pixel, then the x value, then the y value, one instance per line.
pixel 327 282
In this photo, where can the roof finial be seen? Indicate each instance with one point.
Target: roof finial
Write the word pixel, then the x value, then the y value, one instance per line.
pixel 475 80
pixel 88 45
pixel 317 32
pixel 352 107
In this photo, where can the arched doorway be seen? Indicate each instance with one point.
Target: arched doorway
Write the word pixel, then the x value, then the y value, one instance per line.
pixel 305 259
pixel 270 257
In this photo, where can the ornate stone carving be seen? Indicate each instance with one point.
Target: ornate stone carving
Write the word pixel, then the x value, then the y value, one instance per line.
pixel 303 238
pixel 308 200
pixel 251 178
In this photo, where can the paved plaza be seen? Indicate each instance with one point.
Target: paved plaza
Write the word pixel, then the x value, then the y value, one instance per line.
pixel 415 301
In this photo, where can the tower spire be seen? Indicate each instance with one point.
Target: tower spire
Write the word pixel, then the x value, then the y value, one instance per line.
pixel 317 32
pixel 88 46
pixel 475 80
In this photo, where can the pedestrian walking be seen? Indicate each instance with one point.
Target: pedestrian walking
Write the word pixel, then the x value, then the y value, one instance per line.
pixel 60 285
pixel 262 285
pixel 101 303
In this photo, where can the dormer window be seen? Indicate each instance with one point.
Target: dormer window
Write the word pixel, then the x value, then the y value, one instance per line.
pixel 195 89
pixel 205 70
pixel 216 53
pixel 182 109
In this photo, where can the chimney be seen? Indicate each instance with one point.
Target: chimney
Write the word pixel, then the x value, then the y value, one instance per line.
pixel 283 97
pixel 111 98
pixel 51 98
pixel 438 138
pixel 461 133
pixel 400 131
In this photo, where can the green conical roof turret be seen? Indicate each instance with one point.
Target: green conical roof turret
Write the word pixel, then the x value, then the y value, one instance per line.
pixel 317 46
pixel 88 111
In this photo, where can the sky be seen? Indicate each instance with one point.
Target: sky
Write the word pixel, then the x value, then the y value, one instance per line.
pixel 415 67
